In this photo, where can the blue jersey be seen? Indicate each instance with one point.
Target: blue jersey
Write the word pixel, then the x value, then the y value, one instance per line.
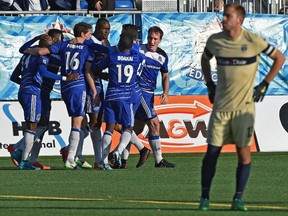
pixel 73 59
pixel 155 62
pixel 31 79
pixel 122 70
pixel 97 56
pixel 48 83
pixel 136 89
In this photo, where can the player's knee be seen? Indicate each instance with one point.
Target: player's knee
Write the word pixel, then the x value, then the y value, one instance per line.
pixel 213 152
pixel 118 128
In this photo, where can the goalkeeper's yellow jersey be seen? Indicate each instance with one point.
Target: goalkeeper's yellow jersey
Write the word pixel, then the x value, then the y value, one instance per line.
pixel 237 64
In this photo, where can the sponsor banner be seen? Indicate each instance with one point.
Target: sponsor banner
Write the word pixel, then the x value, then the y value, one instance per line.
pixel 185 36
pixel 183 127
pixel 272 123
pixel 16 30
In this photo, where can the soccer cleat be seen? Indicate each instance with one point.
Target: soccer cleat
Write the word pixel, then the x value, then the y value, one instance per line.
pixel 144 154
pixel 16 157
pixel 83 164
pixel 96 166
pixel 70 166
pixel 238 205
pixel 204 204
pixel 124 165
pixel 25 165
pixel 164 163
pixel 111 158
pixel 105 167
pixel 117 157
pixel 41 166
pixel 10 148
pixel 64 153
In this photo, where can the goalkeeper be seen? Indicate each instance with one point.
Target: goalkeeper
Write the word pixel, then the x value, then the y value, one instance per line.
pixel 232 119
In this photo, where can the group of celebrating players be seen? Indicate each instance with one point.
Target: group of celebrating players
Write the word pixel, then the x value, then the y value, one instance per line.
pixel 83 62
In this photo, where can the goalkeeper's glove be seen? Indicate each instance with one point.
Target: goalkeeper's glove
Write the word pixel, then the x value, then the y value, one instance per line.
pixel 260 91
pixel 211 91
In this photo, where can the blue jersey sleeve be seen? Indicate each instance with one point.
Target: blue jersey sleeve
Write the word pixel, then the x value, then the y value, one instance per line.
pixel 27 45
pixel 103 63
pixel 15 76
pixel 97 47
pixel 164 68
pixel 43 62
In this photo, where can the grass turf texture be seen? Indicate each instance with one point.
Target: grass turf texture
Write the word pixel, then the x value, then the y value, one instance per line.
pixel 145 190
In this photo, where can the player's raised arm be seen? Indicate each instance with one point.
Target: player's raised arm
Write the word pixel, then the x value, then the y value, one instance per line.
pixel 37 51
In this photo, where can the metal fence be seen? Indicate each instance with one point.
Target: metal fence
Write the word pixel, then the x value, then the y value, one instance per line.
pixel 251 6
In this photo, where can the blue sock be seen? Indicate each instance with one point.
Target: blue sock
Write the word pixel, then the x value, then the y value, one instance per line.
pixel 242 176
pixel 208 169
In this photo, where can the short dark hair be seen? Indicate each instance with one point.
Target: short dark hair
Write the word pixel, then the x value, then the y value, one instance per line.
pixel 54 32
pixel 130 29
pixel 100 22
pixel 156 29
pixel 81 27
pixel 238 8
pixel 125 42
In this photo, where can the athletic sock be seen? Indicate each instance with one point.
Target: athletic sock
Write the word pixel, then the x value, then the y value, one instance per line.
pixel 126 152
pixel 155 144
pixel 19 145
pixel 106 144
pixel 83 134
pixel 37 143
pixel 242 176
pixel 39 132
pixel 28 143
pixel 74 138
pixel 96 137
pixel 124 141
pixel 136 141
pixel 208 169
pixel 36 149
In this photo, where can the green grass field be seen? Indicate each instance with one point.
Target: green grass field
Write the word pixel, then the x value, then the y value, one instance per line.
pixel 143 191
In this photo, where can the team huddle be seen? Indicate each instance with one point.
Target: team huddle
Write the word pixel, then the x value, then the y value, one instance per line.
pixel 128 101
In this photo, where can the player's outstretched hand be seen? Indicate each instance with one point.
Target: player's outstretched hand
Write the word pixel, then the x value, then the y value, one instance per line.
pixel 211 91
pixel 260 91
pixel 71 77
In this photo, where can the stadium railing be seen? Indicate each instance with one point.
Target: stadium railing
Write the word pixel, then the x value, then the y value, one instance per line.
pixel 251 6
pixel 138 6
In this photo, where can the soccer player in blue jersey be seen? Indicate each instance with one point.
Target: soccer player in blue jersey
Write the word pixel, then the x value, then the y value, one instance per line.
pixel 135 99
pixel 99 36
pixel 46 87
pixel 33 69
pixel 156 60
pixel 123 64
pixel 75 58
